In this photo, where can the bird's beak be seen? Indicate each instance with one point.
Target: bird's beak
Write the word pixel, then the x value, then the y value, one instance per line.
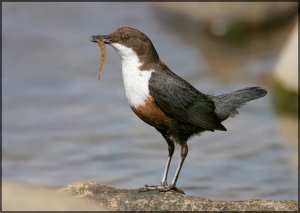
pixel 105 38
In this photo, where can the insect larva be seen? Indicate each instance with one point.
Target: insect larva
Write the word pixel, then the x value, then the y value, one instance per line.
pixel 101 45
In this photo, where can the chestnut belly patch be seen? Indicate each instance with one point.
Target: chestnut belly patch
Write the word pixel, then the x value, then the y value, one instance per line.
pixel 150 113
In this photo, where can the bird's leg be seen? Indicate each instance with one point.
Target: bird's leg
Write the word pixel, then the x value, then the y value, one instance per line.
pixel 171 148
pixel 163 183
pixel 184 152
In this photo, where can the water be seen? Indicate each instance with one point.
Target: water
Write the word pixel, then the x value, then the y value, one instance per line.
pixel 61 125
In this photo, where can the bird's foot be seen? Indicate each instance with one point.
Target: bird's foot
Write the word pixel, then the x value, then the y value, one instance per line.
pixel 170 188
pixel 160 188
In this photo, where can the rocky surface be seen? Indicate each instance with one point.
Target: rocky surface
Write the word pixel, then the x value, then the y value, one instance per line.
pixel 132 200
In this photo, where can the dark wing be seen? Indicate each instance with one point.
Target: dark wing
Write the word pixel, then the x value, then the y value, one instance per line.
pixel 181 100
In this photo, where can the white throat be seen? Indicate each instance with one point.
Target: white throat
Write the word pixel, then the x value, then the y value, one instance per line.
pixel 135 80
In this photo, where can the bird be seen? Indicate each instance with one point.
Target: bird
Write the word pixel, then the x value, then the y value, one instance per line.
pixel 165 101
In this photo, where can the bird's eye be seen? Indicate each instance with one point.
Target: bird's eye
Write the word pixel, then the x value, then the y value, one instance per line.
pixel 126 37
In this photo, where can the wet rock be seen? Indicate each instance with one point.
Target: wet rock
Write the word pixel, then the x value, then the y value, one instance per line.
pixel 133 200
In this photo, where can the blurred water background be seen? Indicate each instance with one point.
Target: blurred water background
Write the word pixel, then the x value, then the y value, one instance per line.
pixel 61 125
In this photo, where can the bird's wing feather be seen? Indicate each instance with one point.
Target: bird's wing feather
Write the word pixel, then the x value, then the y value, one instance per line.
pixel 182 101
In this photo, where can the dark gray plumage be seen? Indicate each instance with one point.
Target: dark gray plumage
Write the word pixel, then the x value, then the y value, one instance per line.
pixel 192 111
pixel 183 102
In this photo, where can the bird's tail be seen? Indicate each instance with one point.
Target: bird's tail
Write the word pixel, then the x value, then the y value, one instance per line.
pixel 227 104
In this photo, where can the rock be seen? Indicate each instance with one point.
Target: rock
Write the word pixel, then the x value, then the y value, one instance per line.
pixel 285 91
pixel 286 70
pixel 133 200
pixel 285 78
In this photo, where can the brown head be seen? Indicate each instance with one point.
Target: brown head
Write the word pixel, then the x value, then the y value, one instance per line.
pixel 126 39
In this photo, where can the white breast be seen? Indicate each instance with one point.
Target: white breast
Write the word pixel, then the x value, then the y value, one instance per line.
pixel 135 80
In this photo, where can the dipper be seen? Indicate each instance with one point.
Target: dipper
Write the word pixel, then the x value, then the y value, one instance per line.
pixel 165 101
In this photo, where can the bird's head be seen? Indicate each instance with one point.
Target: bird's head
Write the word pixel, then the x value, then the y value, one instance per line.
pixel 129 42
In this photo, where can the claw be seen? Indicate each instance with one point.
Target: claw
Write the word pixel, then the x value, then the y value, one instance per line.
pixel 146 188
pixel 160 188
pixel 170 188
